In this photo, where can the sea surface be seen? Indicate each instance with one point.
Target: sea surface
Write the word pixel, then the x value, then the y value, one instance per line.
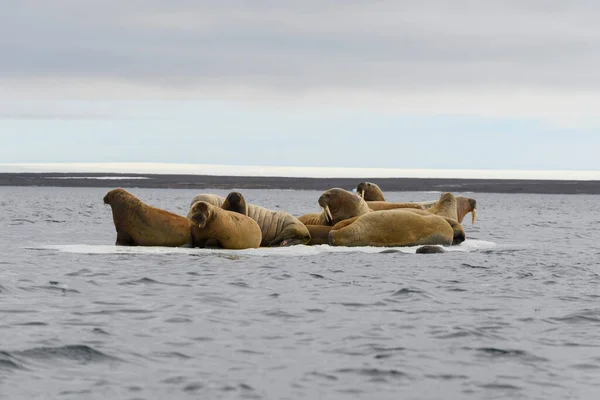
pixel 512 313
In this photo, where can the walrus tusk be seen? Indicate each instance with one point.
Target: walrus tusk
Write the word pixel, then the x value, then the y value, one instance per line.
pixel 473 216
pixel 328 213
pixel 362 194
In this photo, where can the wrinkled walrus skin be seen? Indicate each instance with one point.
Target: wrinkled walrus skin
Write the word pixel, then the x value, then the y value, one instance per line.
pixel 228 229
pixel 393 228
pixel 278 228
pixel 139 224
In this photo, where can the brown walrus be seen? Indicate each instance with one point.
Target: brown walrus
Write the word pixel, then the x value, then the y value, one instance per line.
pixel 228 229
pixel 369 191
pixel 139 224
pixel 278 228
pixel 393 228
pixel 338 205
pixel 387 205
pixel 459 235
pixel 209 198
pixel 464 205
pixel 235 202
pixel 445 206
pixel 319 234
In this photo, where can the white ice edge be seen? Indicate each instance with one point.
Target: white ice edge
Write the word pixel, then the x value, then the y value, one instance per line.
pixel 292 251
pixel 292 172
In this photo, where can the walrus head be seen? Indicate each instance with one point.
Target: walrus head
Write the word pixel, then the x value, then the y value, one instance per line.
pixel 235 202
pixel 464 206
pixel 116 194
pixel 200 214
pixel 370 191
pixel 459 234
pixel 340 204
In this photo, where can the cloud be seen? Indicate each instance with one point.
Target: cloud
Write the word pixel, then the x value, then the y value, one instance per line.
pixel 535 58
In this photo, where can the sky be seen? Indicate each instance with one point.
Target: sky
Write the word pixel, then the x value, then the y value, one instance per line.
pixel 353 84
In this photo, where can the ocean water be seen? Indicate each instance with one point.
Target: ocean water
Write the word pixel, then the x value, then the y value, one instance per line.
pixel 513 312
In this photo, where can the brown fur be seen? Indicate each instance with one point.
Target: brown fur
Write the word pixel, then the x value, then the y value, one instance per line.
pixel 209 198
pixel 370 191
pixel 373 193
pixel 313 219
pixel 343 205
pixel 235 202
pixel 229 229
pixel 386 205
pixel 278 228
pixel 464 205
pixel 139 224
pixel 457 228
pixel 445 206
pixel 319 234
pixel 344 223
pixel 393 228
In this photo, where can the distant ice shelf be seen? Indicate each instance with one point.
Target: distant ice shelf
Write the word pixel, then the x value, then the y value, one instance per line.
pixel 292 172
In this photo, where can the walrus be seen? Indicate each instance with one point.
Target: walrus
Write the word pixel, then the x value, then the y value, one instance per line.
pixel 430 249
pixel 338 205
pixel 445 206
pixel 319 234
pixel 229 229
pixel 235 202
pixel 313 219
pixel 139 224
pixel 370 191
pixel 464 205
pixel 278 228
pixel 387 205
pixel 209 198
pixel 459 235
pixel 393 228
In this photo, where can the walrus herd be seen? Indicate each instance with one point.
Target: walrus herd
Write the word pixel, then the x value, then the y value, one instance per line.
pixel 363 218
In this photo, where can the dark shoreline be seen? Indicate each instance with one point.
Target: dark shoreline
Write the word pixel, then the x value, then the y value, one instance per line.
pixel 239 182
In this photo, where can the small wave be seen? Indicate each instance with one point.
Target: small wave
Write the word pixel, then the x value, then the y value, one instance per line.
pixel 469 245
pixel 171 354
pixel 8 362
pixel 81 354
pixel 497 352
pixel 499 386
pixel 408 292
pixel 374 372
pixel 53 286
pixel 149 281
pixel 587 316
pixel 82 271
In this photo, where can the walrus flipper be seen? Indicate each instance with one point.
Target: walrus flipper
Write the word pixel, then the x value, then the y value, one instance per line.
pixel 289 237
pixel 123 239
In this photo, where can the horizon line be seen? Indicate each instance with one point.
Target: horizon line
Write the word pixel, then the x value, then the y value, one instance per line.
pixel 293 171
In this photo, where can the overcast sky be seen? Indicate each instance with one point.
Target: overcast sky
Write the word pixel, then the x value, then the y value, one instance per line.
pixel 397 84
